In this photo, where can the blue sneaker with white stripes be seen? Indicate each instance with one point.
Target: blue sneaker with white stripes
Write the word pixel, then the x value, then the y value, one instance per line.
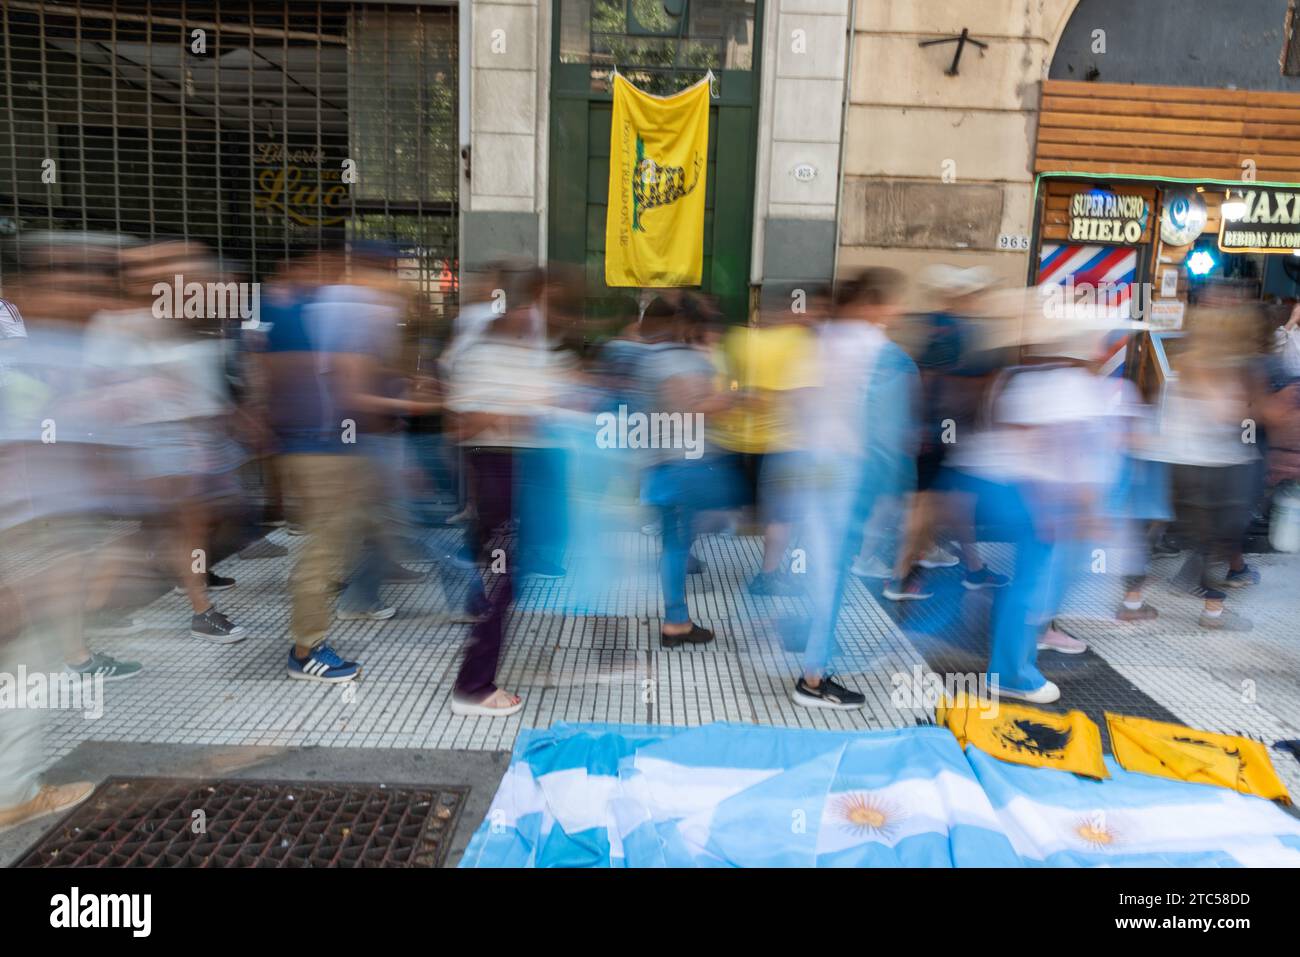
pixel 323 664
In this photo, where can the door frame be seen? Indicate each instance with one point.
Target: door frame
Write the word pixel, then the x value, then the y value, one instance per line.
pixel 737 89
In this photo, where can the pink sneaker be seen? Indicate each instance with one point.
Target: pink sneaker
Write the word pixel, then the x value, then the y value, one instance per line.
pixel 1053 640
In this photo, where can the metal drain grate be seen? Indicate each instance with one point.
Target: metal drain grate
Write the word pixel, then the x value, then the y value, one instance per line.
pixel 170 822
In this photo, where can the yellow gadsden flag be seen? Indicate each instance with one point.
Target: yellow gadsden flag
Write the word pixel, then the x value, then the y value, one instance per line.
pixel 658 150
pixel 1186 754
pixel 1024 735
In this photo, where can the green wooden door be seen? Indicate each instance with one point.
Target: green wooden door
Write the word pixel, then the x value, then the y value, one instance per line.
pixel 660 54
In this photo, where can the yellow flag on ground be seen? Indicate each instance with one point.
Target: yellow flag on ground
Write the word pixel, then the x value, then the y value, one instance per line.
pixel 1186 754
pixel 1024 735
pixel 658 150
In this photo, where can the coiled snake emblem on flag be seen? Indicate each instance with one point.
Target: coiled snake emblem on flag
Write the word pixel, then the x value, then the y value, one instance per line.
pixel 654 185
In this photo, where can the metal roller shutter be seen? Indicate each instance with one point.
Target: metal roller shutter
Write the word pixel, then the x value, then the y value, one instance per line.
pixel 237 124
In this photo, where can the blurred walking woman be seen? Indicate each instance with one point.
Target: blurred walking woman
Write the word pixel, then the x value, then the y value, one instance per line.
pixel 172 404
pixel 501 384
pixel 1208 437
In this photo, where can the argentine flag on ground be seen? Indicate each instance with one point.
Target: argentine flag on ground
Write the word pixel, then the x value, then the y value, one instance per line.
pixel 558 798
pixel 1133 820
pixel 736 796
pixel 727 795
pixel 908 799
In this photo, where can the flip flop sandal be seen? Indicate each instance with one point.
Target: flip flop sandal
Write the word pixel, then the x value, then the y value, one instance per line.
pixel 480 710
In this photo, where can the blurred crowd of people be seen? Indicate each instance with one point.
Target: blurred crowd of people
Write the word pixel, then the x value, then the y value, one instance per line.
pixel 857 438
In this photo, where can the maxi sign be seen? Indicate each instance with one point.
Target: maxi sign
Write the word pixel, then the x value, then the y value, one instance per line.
pixel 1271 223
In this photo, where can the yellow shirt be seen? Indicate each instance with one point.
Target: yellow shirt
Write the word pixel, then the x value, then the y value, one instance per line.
pixel 767 363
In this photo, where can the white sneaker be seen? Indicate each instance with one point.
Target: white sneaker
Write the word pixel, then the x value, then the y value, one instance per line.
pixel 907 589
pixel 377 613
pixel 1045 694
pixel 1053 640
pixel 873 567
pixel 938 558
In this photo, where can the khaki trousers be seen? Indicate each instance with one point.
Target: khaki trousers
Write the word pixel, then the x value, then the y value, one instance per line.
pixel 333 496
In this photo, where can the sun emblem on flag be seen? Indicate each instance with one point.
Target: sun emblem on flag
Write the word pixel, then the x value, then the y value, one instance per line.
pixel 866 815
pixel 1096 831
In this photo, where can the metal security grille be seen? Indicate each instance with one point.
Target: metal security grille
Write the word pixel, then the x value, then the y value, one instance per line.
pixel 262 129
pixel 169 822
pixel 662 47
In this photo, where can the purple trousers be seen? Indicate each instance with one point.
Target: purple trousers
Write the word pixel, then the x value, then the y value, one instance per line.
pixel 492 473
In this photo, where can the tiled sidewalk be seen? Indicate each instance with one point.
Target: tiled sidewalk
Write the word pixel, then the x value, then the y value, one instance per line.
pixel 580 666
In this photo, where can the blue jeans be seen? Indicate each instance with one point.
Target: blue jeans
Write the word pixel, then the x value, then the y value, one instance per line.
pixel 681 489
pixel 542 496
pixel 838 494
pixel 1021 609
pixel 678 522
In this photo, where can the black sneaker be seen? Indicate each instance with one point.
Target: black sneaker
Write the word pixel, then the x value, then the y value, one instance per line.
pixel 984 578
pixel 213 582
pixel 828 694
pixel 696 636
pixel 1206 593
pixel 216 628
pixel 694 566
pixel 1165 547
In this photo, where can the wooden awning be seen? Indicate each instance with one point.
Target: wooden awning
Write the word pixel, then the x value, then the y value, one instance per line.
pixel 1167 131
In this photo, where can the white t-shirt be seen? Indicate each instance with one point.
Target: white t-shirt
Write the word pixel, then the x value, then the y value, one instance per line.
pixel 1202 428
pixel 833 415
pixel 513 377
pixel 164 377
pixel 1048 426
